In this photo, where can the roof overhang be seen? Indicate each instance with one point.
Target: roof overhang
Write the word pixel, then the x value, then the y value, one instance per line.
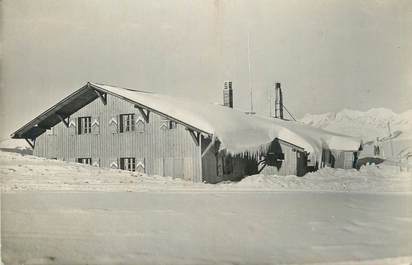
pixel 72 103
pixel 53 115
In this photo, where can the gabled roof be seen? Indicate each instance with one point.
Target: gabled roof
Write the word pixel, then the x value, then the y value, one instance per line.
pixel 236 131
pixel 50 117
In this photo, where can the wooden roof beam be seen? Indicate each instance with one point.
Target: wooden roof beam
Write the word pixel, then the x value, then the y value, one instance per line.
pixel 195 136
pixel 30 142
pixel 65 120
pixel 145 113
pixel 102 96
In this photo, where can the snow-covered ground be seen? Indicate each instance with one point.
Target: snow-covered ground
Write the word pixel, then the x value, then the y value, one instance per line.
pixel 30 173
pixel 56 212
pixel 206 228
pixel 16 146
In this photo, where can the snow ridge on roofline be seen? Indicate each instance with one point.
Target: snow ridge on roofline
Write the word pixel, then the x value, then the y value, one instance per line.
pixel 126 88
pixel 237 132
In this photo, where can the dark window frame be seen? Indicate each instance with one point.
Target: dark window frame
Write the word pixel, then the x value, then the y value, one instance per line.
pixel 84 125
pixel 127 122
pixel 172 125
pixel 85 160
pixel 128 163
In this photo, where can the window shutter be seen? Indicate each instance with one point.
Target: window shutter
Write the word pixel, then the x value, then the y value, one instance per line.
pixel 121 163
pixel 140 165
pixel 164 125
pixel 120 119
pixel 139 124
pixel 79 125
pixel 114 163
pixel 113 124
pixel 96 162
pixel 72 127
pixel 95 125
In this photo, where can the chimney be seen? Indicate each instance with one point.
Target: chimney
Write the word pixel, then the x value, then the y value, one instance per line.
pixel 278 102
pixel 228 94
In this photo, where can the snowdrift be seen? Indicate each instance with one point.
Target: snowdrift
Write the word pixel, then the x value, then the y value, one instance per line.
pixel 26 173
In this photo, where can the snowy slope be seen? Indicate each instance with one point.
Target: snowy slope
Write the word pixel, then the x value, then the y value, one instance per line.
pixel 15 145
pixel 368 125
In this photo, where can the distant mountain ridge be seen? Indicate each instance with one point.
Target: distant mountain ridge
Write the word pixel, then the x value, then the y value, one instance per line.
pixel 365 124
pixel 368 125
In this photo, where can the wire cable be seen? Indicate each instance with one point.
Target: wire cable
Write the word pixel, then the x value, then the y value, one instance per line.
pixel 289 113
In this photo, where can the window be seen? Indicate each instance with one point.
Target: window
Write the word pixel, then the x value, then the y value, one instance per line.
pixel 84 125
pixel 172 125
pixel 168 125
pixel 126 122
pixel 85 160
pixel 128 163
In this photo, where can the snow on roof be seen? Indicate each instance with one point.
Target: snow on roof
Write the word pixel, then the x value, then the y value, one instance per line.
pixel 238 132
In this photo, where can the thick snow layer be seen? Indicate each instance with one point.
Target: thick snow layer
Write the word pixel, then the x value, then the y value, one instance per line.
pixel 56 212
pixel 29 173
pixel 206 228
pixel 238 132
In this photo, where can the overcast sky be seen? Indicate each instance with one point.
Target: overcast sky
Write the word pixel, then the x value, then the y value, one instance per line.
pixel 328 55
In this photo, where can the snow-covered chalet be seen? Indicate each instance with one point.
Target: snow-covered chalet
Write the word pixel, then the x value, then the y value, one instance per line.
pixel 113 127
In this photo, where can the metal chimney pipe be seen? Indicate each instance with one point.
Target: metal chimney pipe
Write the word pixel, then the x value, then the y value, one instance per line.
pixel 278 101
pixel 281 102
pixel 228 94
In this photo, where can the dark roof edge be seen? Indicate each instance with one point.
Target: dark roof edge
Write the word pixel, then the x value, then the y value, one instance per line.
pixel 33 122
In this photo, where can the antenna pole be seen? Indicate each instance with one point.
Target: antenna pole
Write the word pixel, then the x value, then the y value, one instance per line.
pixel 250 70
pixel 390 137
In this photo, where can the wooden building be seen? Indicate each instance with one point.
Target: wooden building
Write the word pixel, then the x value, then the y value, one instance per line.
pixel 112 127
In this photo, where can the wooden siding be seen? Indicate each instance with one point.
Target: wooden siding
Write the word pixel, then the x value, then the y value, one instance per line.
pixel 166 152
